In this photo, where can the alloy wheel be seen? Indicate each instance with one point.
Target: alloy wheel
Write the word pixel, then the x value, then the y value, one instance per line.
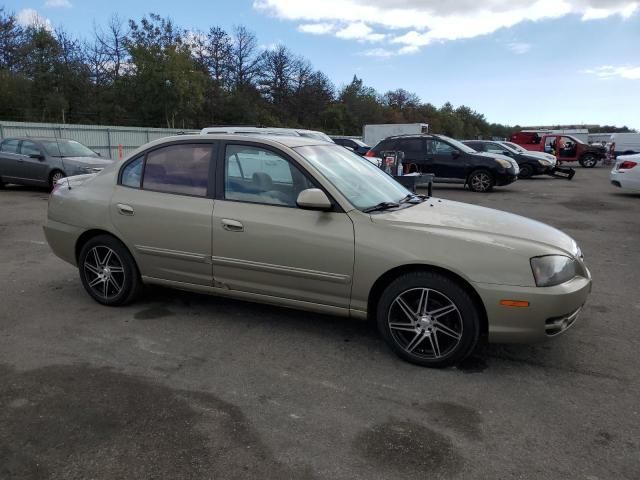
pixel 481 182
pixel 104 272
pixel 425 323
pixel 589 161
pixel 55 177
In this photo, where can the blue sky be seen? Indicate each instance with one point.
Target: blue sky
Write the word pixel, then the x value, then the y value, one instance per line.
pixel 526 62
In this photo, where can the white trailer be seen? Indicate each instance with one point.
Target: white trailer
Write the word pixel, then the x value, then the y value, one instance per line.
pixel 625 143
pixel 372 134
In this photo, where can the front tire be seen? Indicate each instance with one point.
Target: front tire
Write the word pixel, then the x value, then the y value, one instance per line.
pixel 428 319
pixel 108 271
pixel 526 171
pixel 481 181
pixel 588 161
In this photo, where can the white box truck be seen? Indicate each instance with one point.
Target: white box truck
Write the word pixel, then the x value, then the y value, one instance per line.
pixel 372 134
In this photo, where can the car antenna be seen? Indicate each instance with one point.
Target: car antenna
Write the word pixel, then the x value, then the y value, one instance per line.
pixel 62 160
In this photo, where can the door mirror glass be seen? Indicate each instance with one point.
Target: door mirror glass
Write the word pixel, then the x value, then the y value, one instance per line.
pixel 313 199
pixel 455 153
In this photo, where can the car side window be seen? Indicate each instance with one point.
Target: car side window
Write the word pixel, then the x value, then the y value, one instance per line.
pixel 494 148
pixel 387 145
pixel 9 146
pixel 29 148
pixel 132 173
pixel 180 169
pixel 477 146
pixel 439 147
pixel 410 146
pixel 257 175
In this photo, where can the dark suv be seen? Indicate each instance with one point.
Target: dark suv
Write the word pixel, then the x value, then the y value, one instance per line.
pixel 450 161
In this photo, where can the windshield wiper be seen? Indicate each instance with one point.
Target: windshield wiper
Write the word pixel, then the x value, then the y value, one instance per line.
pixel 381 206
pixel 412 197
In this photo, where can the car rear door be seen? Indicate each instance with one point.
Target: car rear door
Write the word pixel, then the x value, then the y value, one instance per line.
pixel 264 244
pixel 162 209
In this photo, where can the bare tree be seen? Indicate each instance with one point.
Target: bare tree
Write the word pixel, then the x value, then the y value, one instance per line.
pixel 244 60
pixel 112 42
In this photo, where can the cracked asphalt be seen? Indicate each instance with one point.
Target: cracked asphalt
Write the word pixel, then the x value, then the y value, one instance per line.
pixel 181 385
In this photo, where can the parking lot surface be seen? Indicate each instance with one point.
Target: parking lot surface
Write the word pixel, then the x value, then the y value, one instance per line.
pixel 180 385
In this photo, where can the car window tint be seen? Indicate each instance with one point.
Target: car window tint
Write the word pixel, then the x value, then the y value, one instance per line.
pixel 181 169
pixel 477 146
pixel 258 175
pixel 29 148
pixel 410 145
pixel 9 146
pixel 132 173
pixel 386 145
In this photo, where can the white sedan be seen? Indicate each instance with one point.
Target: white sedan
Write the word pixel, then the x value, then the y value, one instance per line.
pixel 626 173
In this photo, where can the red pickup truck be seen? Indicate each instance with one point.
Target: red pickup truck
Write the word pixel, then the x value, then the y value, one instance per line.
pixel 566 148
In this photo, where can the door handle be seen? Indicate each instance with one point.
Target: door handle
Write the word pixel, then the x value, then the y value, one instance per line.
pixel 125 209
pixel 232 225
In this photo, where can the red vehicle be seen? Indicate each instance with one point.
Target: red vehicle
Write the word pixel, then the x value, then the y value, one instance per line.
pixel 566 148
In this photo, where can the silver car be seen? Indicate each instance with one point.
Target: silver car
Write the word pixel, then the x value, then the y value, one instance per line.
pixel 301 223
pixel 41 161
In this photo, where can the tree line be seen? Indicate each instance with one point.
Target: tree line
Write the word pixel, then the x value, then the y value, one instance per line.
pixel 152 73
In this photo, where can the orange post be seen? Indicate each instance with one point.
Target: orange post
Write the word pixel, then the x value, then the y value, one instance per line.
pixel 120 151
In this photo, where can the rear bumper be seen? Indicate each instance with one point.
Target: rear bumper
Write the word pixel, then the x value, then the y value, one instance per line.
pixel 551 310
pixel 62 239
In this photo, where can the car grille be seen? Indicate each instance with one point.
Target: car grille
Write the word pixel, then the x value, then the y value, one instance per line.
pixel 556 325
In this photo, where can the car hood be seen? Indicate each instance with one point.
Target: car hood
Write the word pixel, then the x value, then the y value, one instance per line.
pixel 92 161
pixel 439 214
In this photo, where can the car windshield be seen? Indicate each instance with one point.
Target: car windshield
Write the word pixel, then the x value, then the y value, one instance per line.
pixel 457 144
pixel 67 148
pixel 514 146
pixel 508 147
pixel 362 183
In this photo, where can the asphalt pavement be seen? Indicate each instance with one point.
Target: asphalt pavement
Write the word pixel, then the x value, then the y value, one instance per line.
pixel 181 385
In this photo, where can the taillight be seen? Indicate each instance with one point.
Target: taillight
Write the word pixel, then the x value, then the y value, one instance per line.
pixel 370 153
pixel 626 165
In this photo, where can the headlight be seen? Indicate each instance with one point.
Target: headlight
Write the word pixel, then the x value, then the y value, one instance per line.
pixel 544 163
pixel 503 163
pixel 553 270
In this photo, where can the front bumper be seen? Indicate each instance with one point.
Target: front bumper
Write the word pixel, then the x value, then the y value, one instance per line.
pixel 506 178
pixel 551 310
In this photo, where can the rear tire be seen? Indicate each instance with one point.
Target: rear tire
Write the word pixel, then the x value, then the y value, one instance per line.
pixel 108 271
pixel 588 160
pixel 428 319
pixel 481 181
pixel 526 171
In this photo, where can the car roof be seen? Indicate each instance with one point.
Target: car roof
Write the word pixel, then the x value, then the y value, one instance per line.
pixel 34 138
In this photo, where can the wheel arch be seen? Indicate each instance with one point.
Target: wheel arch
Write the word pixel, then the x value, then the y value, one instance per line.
pixel 386 278
pixel 92 233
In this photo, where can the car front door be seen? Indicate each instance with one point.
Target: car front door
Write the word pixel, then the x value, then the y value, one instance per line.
pixel 264 244
pixel 32 164
pixel 9 157
pixel 448 161
pixel 162 209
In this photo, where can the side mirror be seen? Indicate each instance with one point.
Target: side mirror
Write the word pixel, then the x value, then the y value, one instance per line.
pixel 455 153
pixel 506 152
pixel 37 156
pixel 313 199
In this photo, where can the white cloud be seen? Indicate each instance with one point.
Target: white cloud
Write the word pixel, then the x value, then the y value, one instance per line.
pixel 417 23
pixel 57 3
pixel 519 48
pixel 360 31
pixel 28 17
pixel 626 72
pixel 317 28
